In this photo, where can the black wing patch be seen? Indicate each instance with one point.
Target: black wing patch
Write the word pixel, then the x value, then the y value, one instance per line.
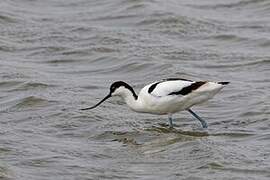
pixel 223 83
pixel 189 89
pixel 153 86
pixel 176 79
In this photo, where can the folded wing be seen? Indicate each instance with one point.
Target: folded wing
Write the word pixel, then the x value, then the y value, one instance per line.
pixel 170 87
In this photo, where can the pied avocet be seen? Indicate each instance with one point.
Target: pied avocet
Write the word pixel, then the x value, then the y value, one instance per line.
pixel 167 96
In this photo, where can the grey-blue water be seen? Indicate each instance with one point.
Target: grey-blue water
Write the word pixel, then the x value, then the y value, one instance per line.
pixel 57 56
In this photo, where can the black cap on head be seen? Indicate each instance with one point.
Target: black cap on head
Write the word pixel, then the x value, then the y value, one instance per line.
pixel 118 84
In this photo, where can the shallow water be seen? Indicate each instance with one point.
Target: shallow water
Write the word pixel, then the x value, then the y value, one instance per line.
pixel 57 56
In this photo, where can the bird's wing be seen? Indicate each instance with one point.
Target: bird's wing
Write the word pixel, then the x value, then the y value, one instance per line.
pixel 173 87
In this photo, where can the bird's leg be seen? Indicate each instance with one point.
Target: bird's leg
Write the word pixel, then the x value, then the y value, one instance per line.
pixel 170 121
pixel 204 124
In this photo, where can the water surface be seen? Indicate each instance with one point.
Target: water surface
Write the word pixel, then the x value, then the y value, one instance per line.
pixel 57 56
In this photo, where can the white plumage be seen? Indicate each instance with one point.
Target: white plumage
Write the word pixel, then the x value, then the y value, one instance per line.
pixel 166 97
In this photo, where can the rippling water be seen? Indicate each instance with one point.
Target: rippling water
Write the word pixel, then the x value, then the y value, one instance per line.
pixel 57 56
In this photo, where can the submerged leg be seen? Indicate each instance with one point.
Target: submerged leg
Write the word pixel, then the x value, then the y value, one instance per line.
pixel 170 121
pixel 204 124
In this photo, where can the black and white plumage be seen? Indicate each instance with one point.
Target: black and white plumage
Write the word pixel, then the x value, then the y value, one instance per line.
pixel 167 96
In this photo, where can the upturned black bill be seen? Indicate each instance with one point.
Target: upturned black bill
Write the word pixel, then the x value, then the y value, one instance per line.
pixel 108 96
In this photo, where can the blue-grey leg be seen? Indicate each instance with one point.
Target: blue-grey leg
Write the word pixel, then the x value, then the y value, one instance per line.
pixel 170 121
pixel 204 124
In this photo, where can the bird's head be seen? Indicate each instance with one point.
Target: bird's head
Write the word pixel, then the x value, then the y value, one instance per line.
pixel 118 88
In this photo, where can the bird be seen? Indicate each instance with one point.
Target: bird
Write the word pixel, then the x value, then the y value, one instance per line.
pixel 165 97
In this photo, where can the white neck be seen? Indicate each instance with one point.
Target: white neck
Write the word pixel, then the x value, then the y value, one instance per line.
pixel 131 99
